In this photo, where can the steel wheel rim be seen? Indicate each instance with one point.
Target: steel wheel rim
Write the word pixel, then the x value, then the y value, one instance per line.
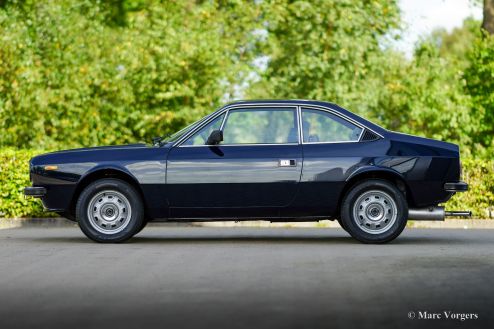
pixel 109 212
pixel 375 212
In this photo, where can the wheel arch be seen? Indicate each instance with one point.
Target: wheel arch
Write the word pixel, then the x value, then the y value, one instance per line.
pixel 377 173
pixel 102 173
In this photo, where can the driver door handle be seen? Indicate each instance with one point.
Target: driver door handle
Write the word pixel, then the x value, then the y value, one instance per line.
pixel 287 163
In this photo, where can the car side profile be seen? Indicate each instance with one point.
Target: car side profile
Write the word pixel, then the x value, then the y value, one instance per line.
pixel 277 160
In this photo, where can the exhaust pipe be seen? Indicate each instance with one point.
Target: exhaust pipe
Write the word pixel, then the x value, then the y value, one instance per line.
pixel 458 213
pixel 435 213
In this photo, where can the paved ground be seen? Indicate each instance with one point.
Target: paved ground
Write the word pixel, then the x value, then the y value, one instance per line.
pixel 189 277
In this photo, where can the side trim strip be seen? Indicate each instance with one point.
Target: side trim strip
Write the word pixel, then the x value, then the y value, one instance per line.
pixel 230 219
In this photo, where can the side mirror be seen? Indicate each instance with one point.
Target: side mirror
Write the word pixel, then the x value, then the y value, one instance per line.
pixel 215 138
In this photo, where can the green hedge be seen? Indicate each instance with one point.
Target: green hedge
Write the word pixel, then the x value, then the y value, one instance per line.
pixel 479 174
pixel 14 176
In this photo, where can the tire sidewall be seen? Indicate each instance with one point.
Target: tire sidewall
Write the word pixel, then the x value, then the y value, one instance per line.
pixel 342 224
pixel 136 219
pixel 354 229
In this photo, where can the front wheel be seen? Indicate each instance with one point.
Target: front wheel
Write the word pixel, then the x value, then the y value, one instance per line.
pixel 110 210
pixel 374 211
pixel 342 224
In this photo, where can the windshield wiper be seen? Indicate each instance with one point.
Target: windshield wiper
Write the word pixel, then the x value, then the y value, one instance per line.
pixel 157 141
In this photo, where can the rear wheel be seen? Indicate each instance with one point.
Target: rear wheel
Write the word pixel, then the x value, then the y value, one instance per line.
pixel 144 223
pixel 110 210
pixel 374 211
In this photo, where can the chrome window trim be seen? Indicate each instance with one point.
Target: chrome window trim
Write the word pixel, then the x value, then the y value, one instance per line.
pixel 295 104
pixel 224 119
pixel 300 132
pixel 280 144
pixel 361 134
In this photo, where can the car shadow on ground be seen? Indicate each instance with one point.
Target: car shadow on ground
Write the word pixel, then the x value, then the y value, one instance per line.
pixel 205 239
pixel 242 239
pixel 335 238
pixel 328 240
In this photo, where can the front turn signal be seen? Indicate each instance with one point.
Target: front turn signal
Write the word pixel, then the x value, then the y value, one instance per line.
pixel 51 167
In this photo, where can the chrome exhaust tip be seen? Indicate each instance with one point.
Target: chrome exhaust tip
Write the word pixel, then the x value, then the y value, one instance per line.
pixel 458 213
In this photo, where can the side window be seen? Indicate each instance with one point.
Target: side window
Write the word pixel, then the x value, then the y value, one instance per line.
pixel 261 126
pixel 200 137
pixel 322 126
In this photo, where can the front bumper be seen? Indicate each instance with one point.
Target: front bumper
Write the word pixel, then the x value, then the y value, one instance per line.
pixel 35 191
pixel 456 187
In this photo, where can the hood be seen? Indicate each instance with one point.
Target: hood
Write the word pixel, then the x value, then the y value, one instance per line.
pixel 108 147
pixel 87 154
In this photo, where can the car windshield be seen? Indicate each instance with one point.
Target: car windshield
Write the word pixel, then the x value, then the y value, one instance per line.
pixel 179 133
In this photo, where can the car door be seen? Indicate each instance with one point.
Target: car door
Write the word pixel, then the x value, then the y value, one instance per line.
pixel 255 171
pixel 331 149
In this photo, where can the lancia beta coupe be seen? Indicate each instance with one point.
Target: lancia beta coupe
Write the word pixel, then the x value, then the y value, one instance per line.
pixel 279 160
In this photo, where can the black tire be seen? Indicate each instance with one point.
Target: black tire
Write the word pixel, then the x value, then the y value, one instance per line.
pixel 342 224
pixel 131 208
pixel 368 211
pixel 144 223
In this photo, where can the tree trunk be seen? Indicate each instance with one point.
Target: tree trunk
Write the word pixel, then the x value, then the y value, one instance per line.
pixel 488 23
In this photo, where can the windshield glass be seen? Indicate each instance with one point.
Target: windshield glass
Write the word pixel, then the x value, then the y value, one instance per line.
pixel 179 133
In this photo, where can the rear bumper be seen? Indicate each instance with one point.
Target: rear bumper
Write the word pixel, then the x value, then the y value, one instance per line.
pixel 35 191
pixel 456 187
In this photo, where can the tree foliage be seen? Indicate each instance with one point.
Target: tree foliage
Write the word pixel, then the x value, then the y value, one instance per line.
pixel 70 76
pixel 327 50
pixel 92 72
pixel 480 86
pixel 104 72
pixel 337 51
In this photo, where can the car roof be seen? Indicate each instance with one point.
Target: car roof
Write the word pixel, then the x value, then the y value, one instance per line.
pixel 277 101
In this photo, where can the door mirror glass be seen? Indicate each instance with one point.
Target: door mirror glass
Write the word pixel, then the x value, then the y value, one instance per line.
pixel 215 137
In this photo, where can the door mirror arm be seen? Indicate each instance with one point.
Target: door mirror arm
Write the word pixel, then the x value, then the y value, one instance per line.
pixel 215 137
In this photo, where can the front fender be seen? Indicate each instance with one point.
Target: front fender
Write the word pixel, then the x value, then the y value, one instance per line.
pixel 101 168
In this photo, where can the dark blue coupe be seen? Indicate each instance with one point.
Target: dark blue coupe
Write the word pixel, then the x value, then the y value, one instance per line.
pixel 287 160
